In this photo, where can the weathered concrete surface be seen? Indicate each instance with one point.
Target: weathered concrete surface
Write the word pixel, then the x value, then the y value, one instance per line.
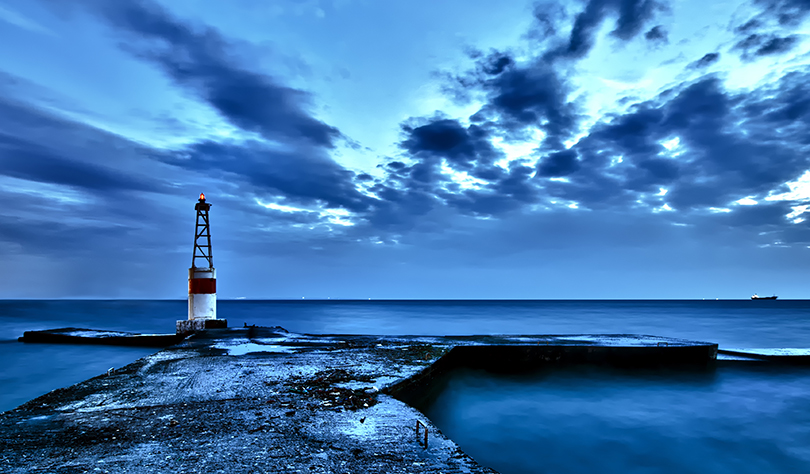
pixel 264 400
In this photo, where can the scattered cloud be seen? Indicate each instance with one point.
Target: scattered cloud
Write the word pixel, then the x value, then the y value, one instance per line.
pixel 707 60
pixel 773 30
pixel 756 45
pixel 631 16
pixel 657 34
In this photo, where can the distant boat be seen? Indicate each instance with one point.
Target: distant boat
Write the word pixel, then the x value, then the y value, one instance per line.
pixel 757 297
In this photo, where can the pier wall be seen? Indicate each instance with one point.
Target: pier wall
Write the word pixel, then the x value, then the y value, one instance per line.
pixel 524 358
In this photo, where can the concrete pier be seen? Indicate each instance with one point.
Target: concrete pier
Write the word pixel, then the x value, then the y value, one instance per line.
pixel 265 400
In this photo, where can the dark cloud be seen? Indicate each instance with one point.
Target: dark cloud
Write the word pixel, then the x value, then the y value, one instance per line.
pixel 39 146
pixel 517 183
pixel 719 163
pixel 448 139
pixel 773 30
pixel 48 237
pixel 633 135
pixel 412 192
pixel 480 203
pixel 750 42
pixel 633 14
pixel 581 39
pixel 507 191
pixel 496 63
pixel 305 177
pixel 33 162
pixel 631 17
pixel 755 45
pixel 659 171
pixel 787 12
pixel 531 96
pixel 657 34
pixel 558 164
pixel 707 60
pixel 777 45
pixel 787 109
pixel 762 215
pixel 202 61
pixel 749 27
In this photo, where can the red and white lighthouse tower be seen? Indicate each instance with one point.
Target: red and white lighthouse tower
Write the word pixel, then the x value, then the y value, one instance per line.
pixel 202 278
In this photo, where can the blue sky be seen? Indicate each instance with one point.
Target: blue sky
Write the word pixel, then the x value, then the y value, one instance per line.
pixel 420 149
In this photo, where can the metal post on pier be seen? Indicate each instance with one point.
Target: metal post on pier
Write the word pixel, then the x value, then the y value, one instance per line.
pixel 424 427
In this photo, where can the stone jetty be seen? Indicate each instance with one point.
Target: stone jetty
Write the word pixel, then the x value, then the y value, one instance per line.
pixel 265 400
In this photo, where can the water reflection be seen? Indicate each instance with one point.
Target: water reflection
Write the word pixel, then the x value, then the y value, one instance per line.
pixel 586 419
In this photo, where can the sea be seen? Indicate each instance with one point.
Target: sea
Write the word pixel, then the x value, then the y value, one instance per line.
pixel 722 419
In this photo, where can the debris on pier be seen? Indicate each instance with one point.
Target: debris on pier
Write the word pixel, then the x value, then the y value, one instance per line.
pixel 323 386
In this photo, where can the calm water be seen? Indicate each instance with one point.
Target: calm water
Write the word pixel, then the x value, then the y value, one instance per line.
pixel 580 420
pixel 731 420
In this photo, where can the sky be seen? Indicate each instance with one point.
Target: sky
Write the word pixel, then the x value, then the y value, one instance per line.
pixel 406 149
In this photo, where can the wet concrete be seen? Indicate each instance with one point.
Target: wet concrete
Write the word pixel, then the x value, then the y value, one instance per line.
pixel 264 400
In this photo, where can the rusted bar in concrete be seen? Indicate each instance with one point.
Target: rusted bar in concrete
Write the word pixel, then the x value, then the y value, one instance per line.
pixel 424 426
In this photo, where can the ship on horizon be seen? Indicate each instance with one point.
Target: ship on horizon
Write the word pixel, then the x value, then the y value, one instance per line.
pixel 757 297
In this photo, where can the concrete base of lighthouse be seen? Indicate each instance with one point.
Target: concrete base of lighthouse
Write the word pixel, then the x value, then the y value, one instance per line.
pixel 188 326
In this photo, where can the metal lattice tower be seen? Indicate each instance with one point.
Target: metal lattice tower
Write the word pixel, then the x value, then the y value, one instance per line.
pixel 202 236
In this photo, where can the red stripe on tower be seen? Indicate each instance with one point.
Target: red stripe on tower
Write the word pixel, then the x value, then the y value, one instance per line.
pixel 202 285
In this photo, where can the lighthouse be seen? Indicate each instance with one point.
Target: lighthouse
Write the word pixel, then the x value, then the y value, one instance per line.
pixel 202 278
